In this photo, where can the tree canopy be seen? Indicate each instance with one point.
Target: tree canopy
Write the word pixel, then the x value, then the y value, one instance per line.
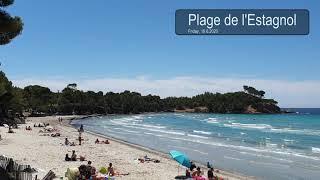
pixel 10 27
pixel 41 100
pixel 11 98
pixel 253 91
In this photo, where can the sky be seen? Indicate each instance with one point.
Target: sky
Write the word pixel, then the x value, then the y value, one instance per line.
pixel 118 45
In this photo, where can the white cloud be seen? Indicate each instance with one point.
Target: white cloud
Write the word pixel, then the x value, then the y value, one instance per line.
pixel 287 93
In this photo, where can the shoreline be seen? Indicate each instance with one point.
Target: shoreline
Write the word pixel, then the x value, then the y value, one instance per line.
pixel 22 145
pixel 157 152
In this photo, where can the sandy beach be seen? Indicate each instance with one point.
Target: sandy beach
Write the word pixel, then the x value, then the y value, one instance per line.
pixel 46 153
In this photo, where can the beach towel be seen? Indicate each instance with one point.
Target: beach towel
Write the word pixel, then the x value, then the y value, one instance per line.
pixel 72 173
pixel 200 178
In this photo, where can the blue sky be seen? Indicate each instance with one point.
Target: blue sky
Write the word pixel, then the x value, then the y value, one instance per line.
pixel 134 42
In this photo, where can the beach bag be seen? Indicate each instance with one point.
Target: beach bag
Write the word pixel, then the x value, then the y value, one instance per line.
pixel 103 170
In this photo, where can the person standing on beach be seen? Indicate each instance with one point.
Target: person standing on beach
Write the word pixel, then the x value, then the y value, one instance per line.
pixel 210 174
pixel 80 138
pixel 81 128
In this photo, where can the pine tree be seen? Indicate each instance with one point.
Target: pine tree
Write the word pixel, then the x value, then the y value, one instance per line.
pixel 10 27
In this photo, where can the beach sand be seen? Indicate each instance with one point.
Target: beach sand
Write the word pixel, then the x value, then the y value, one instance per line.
pixel 46 153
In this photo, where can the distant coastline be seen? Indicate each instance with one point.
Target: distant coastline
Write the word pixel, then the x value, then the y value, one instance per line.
pixel 35 100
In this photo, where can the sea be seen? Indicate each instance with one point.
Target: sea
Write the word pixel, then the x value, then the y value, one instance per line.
pixel 275 146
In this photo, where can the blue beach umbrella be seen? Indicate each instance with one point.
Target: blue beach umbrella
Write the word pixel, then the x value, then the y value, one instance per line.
pixel 180 158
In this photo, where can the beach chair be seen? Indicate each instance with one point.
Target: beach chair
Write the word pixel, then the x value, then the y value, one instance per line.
pixel 49 176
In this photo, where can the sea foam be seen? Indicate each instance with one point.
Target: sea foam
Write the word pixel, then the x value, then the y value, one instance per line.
pixel 202 132
pixel 248 126
pixel 316 150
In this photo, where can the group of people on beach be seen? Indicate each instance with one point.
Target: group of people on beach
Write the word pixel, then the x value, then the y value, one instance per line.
pixel 60 119
pixel 74 157
pixel 102 142
pixel 195 172
pixel 147 159
pixel 90 172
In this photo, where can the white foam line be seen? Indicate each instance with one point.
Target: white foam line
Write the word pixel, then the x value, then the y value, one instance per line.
pixel 197 136
pixel 202 132
pixel 233 158
pixel 200 152
pixel 248 148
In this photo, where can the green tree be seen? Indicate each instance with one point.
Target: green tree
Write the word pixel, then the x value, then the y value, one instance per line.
pixel 5 95
pixel 38 98
pixel 253 91
pixel 10 27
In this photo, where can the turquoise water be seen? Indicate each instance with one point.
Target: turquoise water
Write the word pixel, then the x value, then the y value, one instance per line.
pixel 284 146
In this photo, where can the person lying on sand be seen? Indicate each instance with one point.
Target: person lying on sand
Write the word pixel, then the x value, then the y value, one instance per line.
pixel 28 128
pixel 102 142
pixel 147 159
pixel 56 135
